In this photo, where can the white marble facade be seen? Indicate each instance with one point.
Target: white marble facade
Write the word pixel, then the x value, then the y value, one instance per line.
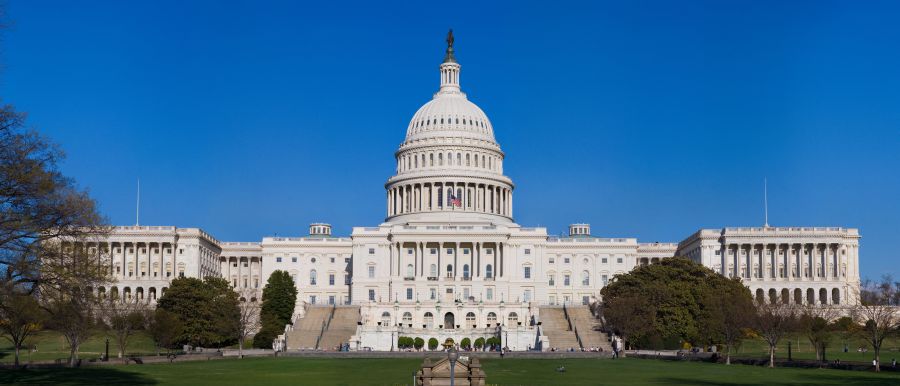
pixel 449 245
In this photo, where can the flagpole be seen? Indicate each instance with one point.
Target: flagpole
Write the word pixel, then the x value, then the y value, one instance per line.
pixel 766 199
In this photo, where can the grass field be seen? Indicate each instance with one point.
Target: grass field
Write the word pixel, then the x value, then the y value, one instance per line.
pixel 305 371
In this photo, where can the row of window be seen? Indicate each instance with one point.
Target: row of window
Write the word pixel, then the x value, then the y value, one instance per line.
pixel 279 259
pixel 413 161
pixel 566 260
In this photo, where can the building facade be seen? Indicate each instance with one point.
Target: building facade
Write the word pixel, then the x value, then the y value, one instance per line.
pixel 450 261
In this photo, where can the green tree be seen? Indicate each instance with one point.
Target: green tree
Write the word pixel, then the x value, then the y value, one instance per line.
pixel 20 317
pixel 433 344
pixel 419 343
pixel 165 328
pixel 479 343
pixel 279 297
pixel 725 314
pixel 208 310
pixel 465 343
pixel 662 305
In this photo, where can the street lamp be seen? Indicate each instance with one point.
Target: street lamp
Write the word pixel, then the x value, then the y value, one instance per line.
pixel 106 357
pixel 452 355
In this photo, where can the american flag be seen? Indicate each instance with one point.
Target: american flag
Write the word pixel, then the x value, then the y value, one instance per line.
pixel 454 200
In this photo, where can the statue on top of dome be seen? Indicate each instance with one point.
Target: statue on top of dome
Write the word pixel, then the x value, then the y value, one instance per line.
pixel 450 38
pixel 450 58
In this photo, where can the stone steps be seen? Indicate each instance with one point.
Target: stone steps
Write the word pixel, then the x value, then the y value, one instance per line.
pixel 556 328
pixel 342 327
pixel 306 330
pixel 589 328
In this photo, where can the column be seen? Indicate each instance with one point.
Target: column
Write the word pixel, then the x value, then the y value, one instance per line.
pixel 440 269
pixel 500 250
pixel 478 259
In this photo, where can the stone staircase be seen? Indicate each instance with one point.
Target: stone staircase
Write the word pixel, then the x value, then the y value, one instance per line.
pixel 555 326
pixel 341 328
pixel 588 327
pixel 306 330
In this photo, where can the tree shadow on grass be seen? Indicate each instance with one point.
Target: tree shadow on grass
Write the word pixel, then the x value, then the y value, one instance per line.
pixel 67 376
pixel 817 379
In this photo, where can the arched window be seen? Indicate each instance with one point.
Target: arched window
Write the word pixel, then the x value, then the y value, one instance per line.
pixel 385 318
pixel 835 296
pixel 468 160
pixel 312 277
pixel 449 194
pixel 459 158
pixel 465 271
pixel 513 319
pixel 431 159
pixel 433 270
pixel 449 270
pixel 491 318
pixel 470 319
pixel 440 198
pixel 410 271
pixel 429 320
pixel 407 317
pixel 489 271
pixel 585 278
pixel 441 159
pixel 823 296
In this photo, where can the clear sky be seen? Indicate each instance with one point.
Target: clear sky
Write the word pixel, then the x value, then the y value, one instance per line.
pixel 645 119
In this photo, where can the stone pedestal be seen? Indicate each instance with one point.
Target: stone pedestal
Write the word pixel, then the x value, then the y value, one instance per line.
pixel 438 373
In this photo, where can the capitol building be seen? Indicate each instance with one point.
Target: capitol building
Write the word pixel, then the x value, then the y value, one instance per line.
pixel 449 260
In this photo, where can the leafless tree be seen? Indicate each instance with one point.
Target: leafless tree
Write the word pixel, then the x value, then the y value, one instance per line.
pixel 878 313
pixel 248 319
pixel 773 321
pixel 123 317
pixel 814 321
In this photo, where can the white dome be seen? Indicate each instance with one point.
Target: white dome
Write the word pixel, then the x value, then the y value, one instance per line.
pixel 450 115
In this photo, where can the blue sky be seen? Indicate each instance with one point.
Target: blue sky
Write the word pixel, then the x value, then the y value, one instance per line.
pixel 646 119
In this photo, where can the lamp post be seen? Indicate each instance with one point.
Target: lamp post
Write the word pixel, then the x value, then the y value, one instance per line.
pixel 106 357
pixel 452 355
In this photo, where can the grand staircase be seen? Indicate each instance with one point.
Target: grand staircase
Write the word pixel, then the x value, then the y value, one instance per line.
pixel 555 326
pixel 306 330
pixel 323 328
pixel 565 327
pixel 340 329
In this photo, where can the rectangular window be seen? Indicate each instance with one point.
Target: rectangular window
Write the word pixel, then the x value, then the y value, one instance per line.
pixel 330 300
pixel 245 265
pixel 371 251
pixel 489 294
pixel 293 260
pixel 312 299
pixel 604 279
pixel 551 281
pixel 566 280
pixel 566 260
pixel 409 294
pixel 346 259
pixel 433 251
pixel 527 297
pixel 234 265
pixel 449 251
pixel 465 251
pixel 371 272
pixel 603 260
pixel 552 260
pixel 528 272
pixel 489 251
pixel 585 300
pixel 433 294
pixel 330 279
pixel 527 251
pixel 331 260
pixel 619 260
pixel 466 293
pixel 277 259
pixel 372 295
pixel 409 251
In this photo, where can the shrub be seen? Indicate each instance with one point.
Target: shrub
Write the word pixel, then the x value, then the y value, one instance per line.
pixel 419 343
pixel 465 343
pixel 432 344
pixel 479 343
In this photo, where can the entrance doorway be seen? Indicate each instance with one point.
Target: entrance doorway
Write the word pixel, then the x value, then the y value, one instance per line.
pixel 449 321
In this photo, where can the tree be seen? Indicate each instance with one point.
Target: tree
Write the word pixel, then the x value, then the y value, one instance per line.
pixel 20 317
pixel 814 322
pixel 208 310
pixel 433 344
pixel 479 343
pixel 41 207
pixel 248 318
pixel 773 321
pixel 278 300
pixel 165 328
pixel 663 305
pixel 878 313
pixel 418 343
pixel 725 317
pixel 122 318
pixel 465 343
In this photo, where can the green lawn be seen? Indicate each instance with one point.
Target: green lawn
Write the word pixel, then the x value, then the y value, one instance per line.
pixel 801 349
pixel 304 371
pixel 51 345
